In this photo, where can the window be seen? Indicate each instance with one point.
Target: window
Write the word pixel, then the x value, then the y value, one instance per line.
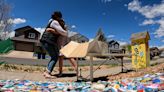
pixel 31 35
pixel 116 46
pixel 112 46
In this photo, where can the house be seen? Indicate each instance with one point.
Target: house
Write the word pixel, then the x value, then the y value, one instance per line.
pixel 114 47
pixel 154 51
pixel 26 39
pixel 113 44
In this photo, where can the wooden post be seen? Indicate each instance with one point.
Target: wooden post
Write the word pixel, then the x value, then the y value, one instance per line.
pixel 91 68
pixel 77 71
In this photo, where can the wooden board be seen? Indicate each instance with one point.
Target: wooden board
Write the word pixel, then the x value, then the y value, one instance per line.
pixel 74 49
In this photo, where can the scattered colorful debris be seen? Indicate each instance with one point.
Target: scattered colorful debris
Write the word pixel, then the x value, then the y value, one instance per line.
pixel 147 83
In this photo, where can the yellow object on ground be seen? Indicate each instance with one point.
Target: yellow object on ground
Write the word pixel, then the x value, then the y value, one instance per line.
pixel 140 50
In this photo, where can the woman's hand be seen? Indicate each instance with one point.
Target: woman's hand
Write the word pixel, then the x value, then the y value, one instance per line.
pixel 52 30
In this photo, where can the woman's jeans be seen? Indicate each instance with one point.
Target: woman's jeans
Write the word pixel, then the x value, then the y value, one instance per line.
pixel 53 51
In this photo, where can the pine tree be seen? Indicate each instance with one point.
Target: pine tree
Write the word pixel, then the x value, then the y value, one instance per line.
pixel 101 35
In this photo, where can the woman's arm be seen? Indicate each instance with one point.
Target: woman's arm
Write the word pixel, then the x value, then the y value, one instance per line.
pixel 52 30
pixel 55 24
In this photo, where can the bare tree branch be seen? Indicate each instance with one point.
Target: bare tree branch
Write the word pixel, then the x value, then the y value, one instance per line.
pixel 5 26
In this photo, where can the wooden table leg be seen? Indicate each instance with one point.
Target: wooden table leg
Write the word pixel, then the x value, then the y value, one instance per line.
pixel 122 64
pixel 77 71
pixel 91 68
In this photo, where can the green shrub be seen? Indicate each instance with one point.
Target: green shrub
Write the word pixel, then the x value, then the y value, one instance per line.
pixel 6 46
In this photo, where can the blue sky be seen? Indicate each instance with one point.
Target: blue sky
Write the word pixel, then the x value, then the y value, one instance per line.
pixel 117 18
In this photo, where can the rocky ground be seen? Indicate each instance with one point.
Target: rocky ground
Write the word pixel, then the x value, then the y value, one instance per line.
pixel 149 80
pixel 155 68
pixel 29 68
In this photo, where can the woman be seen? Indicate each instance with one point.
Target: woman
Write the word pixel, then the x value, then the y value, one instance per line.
pixel 62 41
pixel 49 40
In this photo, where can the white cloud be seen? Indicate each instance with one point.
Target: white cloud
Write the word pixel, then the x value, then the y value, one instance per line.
pixel 147 10
pixel 1 25
pixel 122 43
pixel 134 5
pixel 11 34
pixel 110 36
pixel 71 33
pixel 148 22
pixel 91 39
pixel 150 13
pixel 41 30
pixel 17 21
pixel 160 31
pixel 160 47
pixel 106 1
pixel 73 26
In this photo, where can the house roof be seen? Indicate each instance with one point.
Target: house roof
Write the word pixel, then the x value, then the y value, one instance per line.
pixel 161 49
pixel 20 31
pixel 23 28
pixel 79 36
pixel 140 35
pixel 113 42
pixel 153 48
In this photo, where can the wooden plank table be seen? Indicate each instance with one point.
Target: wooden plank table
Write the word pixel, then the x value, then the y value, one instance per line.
pixel 108 55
